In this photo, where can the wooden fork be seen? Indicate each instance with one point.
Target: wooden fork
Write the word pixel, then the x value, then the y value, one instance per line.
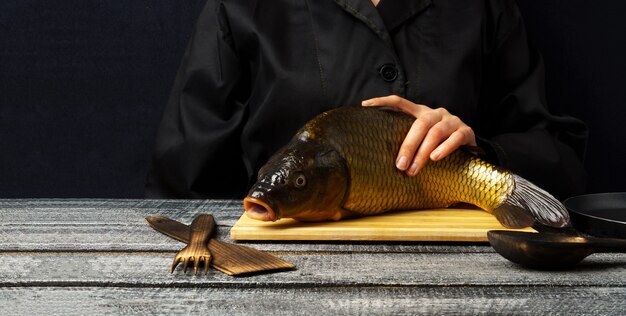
pixel 196 250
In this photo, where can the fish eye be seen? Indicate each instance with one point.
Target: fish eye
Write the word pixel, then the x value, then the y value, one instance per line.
pixel 300 181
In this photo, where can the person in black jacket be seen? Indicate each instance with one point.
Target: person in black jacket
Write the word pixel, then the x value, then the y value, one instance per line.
pixel 256 71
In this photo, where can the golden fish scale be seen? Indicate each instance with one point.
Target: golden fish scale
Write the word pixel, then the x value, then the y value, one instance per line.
pixel 369 140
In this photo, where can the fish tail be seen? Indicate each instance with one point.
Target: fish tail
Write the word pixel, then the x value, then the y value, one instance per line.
pixel 528 205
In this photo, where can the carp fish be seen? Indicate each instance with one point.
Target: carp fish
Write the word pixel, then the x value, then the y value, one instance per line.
pixel 341 164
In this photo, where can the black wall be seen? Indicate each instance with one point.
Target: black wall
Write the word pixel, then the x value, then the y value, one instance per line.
pixel 83 83
pixel 584 47
pixel 82 86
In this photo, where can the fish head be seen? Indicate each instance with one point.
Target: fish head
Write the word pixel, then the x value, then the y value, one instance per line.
pixel 304 180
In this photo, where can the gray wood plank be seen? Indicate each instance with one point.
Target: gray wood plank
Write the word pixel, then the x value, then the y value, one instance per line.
pixel 361 269
pixel 491 300
pixel 137 236
pixel 118 225
pixel 28 211
pixel 99 257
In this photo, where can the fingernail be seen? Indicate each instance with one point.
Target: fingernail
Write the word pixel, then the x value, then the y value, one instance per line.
pixel 435 154
pixel 413 170
pixel 402 163
pixel 366 103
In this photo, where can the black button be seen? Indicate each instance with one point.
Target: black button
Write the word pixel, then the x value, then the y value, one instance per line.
pixel 388 72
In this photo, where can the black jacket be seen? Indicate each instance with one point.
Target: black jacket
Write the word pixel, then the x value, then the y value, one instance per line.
pixel 257 70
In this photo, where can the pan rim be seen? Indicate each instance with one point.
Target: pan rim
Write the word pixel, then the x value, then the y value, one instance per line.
pixel 584 219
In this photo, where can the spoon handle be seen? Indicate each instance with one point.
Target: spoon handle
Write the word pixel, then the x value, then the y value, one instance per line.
pixel 614 245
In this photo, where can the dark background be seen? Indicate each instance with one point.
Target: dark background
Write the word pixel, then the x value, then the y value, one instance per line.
pixel 83 84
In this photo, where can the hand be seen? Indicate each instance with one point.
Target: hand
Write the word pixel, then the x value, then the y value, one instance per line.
pixel 435 133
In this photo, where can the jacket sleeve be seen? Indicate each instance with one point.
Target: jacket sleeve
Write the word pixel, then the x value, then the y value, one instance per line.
pixel 197 153
pixel 515 123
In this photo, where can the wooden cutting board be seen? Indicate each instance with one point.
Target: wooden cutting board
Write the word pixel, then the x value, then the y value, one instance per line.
pixel 469 225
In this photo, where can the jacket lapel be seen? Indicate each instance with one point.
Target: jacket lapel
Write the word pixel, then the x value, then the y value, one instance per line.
pixel 388 15
pixel 365 11
pixel 395 12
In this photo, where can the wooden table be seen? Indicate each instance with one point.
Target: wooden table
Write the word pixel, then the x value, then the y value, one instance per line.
pixel 91 257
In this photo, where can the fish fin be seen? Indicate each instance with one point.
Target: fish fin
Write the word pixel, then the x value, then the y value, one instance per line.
pixel 529 205
pixel 344 214
pixel 513 216
pixel 329 215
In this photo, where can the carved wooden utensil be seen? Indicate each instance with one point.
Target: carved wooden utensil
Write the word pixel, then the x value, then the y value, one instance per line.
pixel 228 258
pixel 196 250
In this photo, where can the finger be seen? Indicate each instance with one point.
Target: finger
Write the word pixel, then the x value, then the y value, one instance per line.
pixel 437 134
pixel 460 137
pixel 397 103
pixel 412 141
pixel 390 100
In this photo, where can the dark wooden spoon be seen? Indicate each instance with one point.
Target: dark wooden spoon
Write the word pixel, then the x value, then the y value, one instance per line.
pixel 550 251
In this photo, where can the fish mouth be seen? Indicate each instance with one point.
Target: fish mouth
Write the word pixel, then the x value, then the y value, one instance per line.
pixel 259 210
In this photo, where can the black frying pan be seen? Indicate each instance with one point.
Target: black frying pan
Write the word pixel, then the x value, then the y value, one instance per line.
pixel 601 214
